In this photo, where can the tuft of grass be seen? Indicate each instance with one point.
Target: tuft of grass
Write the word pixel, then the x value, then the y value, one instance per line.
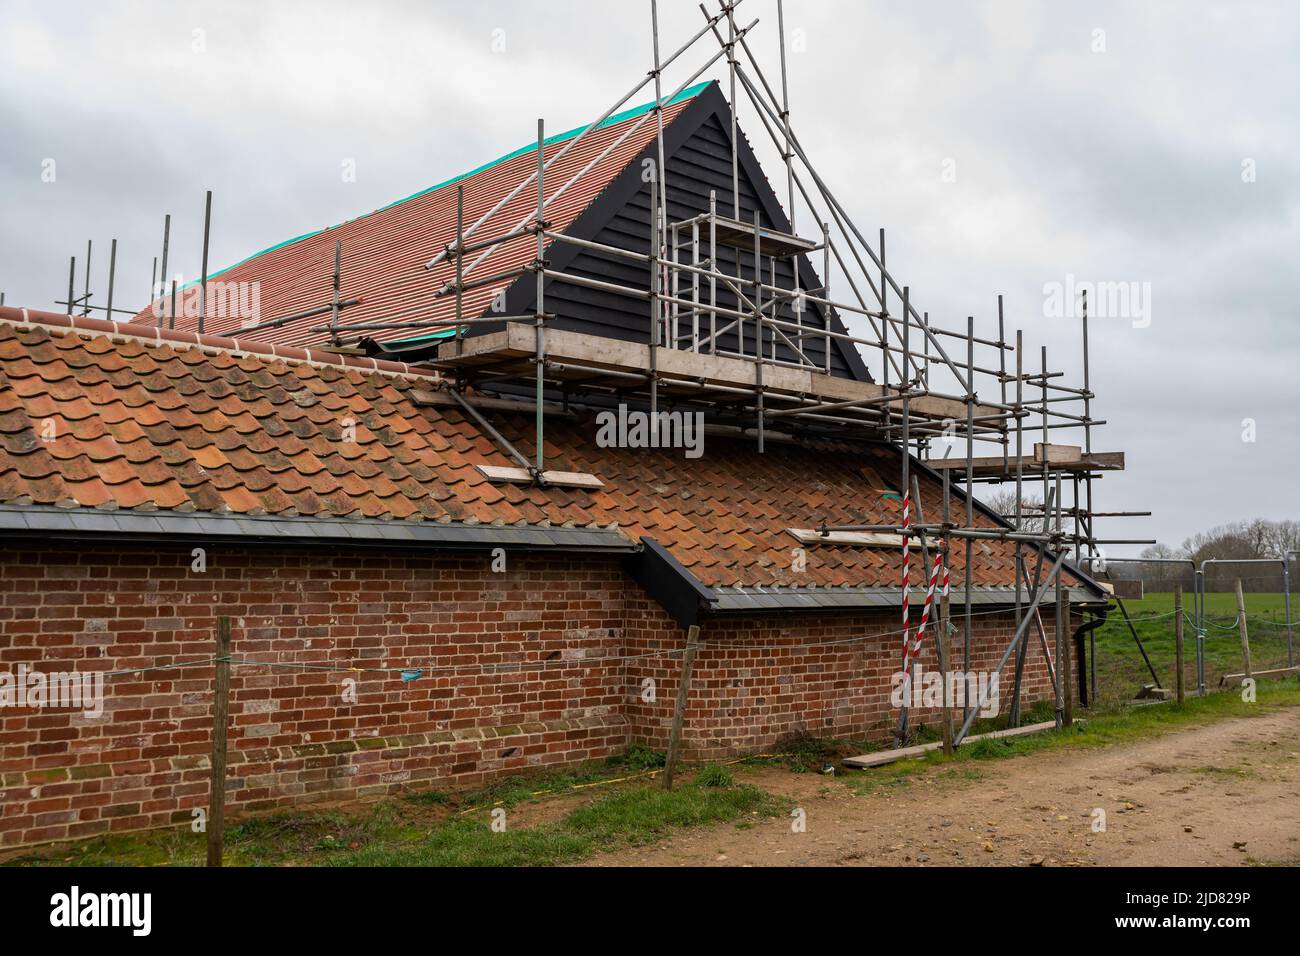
pixel 639 816
pixel 713 775
pixel 292 836
pixel 962 773
pixel 894 776
pixel 640 757
pixel 435 798
pixel 473 843
pixel 1240 772
pixel 991 748
pixel 512 791
pixel 1039 712
pixel 802 751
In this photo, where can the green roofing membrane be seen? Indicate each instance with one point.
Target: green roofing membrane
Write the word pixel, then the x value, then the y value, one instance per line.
pixel 416 340
pixel 613 120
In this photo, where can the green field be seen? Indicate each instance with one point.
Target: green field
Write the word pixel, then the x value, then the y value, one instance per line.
pixel 1121 671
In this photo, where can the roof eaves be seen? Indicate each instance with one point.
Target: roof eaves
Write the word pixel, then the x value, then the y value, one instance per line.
pixel 741 599
pixel 49 522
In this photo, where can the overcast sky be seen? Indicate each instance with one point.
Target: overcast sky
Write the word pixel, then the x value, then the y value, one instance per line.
pixel 1004 147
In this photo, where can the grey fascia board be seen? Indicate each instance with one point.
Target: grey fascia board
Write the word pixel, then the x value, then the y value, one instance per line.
pixel 778 598
pixel 48 520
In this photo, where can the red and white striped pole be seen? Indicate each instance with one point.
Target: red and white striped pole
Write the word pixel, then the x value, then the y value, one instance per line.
pixel 925 612
pixel 907 524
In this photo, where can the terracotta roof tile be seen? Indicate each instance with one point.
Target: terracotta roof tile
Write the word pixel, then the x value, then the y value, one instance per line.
pixel 384 252
pixel 197 429
pixel 91 493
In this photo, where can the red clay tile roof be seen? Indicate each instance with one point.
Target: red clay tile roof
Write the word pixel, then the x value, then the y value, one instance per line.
pixel 384 252
pixel 99 417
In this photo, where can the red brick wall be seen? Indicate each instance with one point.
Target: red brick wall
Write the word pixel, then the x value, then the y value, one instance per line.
pixel 543 664
pixel 484 706
pixel 757 679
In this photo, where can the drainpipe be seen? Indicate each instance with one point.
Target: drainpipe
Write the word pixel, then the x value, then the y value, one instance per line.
pixel 1088 628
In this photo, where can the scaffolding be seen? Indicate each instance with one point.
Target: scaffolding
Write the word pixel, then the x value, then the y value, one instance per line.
pixel 751 359
pixel 755 349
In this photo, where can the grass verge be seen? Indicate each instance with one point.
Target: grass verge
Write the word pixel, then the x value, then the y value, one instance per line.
pixel 633 817
pixel 436 829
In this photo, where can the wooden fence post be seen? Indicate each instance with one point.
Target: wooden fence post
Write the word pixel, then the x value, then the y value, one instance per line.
pixel 1063 664
pixel 1241 626
pixel 1178 640
pixel 220 719
pixel 679 712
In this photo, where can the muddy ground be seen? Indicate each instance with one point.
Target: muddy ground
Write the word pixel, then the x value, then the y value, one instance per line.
pixel 1225 794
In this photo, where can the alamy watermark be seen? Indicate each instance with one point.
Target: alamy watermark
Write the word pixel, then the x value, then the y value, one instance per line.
pixel 639 429
pixel 57 690
pixel 241 301
pixel 73 909
pixel 1129 300
pixel 922 688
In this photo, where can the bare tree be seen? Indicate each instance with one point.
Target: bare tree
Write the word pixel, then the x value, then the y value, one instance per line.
pixel 1243 541
pixel 1158 575
pixel 1003 501
pixel 1159 552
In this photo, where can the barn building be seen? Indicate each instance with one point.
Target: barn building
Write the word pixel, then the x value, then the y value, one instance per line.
pixel 435 567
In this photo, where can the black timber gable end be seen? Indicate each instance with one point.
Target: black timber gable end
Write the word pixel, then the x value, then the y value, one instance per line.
pixel 697 153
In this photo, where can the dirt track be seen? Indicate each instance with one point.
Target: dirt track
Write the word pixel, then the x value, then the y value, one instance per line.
pixel 1220 795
